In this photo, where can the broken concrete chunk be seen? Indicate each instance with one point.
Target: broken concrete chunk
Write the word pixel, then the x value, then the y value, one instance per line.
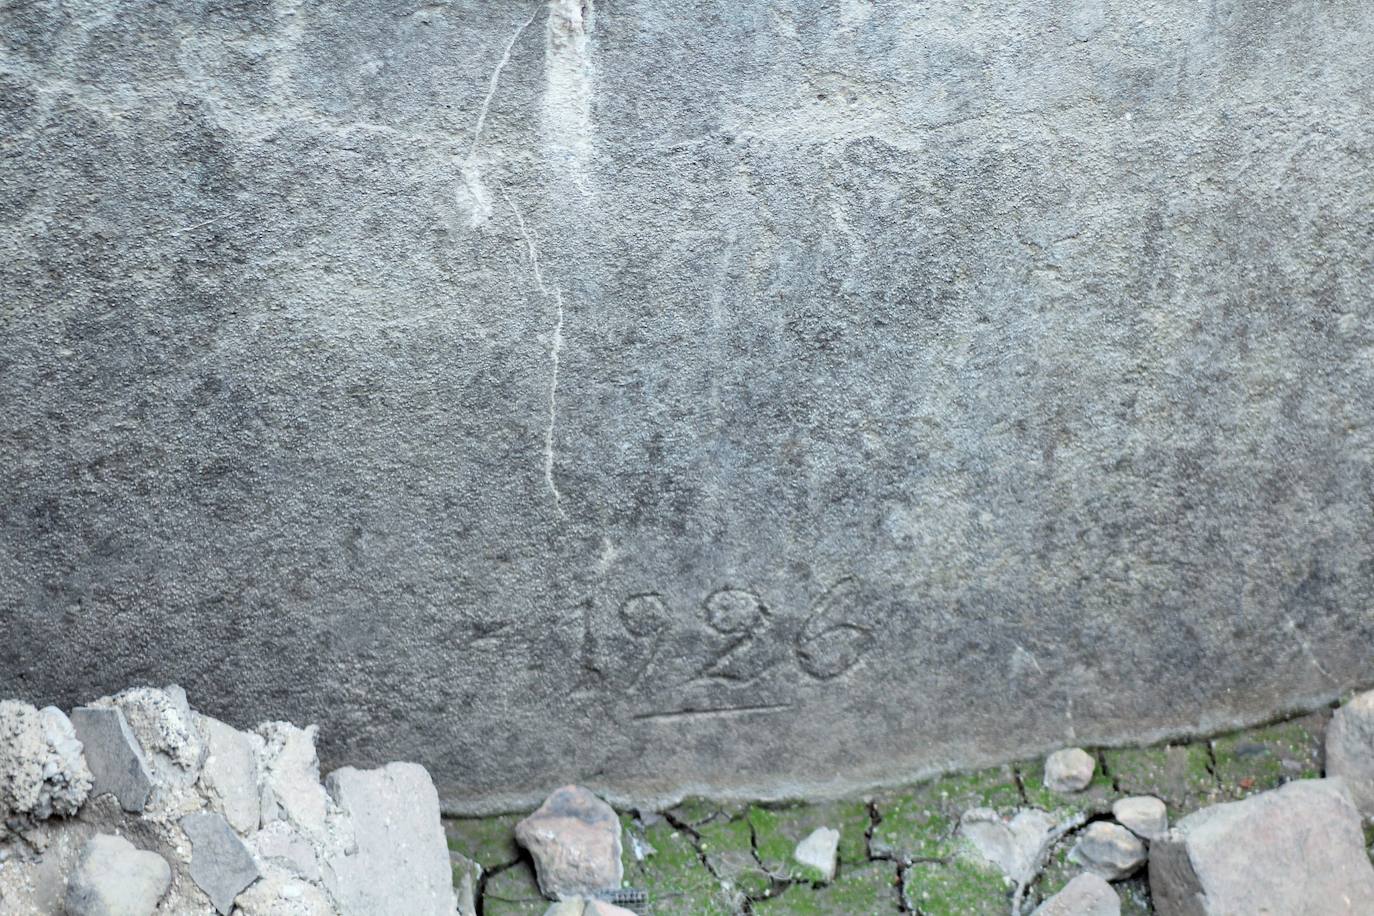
pixel 291 787
pixel 221 864
pixel 1015 845
pixel 401 863
pixel 282 844
pixel 1143 815
pixel 1109 851
pixel 1350 750
pixel 1069 770
pixel 161 720
pixel 574 838
pixel 1297 849
pixel 229 774
pixel 42 772
pixel 114 878
pixel 467 876
pixel 280 894
pixel 116 760
pixel 1085 895
pixel 820 850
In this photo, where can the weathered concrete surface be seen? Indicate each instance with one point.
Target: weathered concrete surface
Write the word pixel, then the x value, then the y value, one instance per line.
pixel 548 397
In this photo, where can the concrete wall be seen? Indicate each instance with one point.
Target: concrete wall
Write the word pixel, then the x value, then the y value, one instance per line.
pixel 751 395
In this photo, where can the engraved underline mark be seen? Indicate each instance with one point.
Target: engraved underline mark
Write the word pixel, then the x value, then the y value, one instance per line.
pixel 718 711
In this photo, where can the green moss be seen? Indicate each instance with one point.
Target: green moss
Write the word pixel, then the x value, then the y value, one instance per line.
pixel 488 841
pixel 919 823
pixel 697 811
pixel 1097 798
pixel 1178 774
pixel 673 876
pixel 869 889
pixel 778 830
pixel 1264 758
pixel 956 888
pixel 729 850
pixel 513 892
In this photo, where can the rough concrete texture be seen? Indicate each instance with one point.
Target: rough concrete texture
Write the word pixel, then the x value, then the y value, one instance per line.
pixel 1086 895
pixel 645 385
pixel 1297 849
pixel 42 771
pixel 400 864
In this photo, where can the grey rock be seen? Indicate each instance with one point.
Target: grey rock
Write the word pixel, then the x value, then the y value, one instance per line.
pixel 1069 770
pixel 1296 849
pixel 1144 815
pixel 580 907
pixel 281 894
pixel 115 878
pixel 467 875
pixel 699 371
pixel 401 863
pixel 1350 749
pixel 820 850
pixel 221 865
pixel 574 838
pixel 117 763
pixel 162 721
pixel 1109 851
pixel 291 789
pixel 1086 895
pixel 1016 845
pixel 230 774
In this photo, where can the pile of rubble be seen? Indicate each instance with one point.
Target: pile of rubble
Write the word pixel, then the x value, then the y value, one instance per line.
pixel 137 804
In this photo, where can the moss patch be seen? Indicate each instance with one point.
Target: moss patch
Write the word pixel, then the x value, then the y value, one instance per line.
pixel 778 830
pixel 488 841
pixel 729 850
pixel 673 876
pixel 1265 758
pixel 1097 798
pixel 1179 774
pixel 919 823
pixel 869 889
pixel 513 892
pixel 956 888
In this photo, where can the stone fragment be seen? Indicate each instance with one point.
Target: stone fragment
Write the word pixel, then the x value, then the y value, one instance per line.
pixel 820 850
pixel 291 787
pixel 115 878
pixel 42 771
pixel 400 865
pixel 1085 895
pixel 221 864
pixel 1143 815
pixel 1296 849
pixel 1069 770
pixel 467 875
pixel 117 763
pixel 283 845
pixel 574 838
pixel 1350 750
pixel 278 893
pixel 229 774
pixel 577 906
pixel 1109 851
pixel 162 721
pixel 1015 845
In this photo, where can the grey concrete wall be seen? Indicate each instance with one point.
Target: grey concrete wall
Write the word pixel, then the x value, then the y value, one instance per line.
pixel 750 395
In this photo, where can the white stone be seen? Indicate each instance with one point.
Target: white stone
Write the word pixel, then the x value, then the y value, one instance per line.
pixel 1085 895
pixel 1143 815
pixel 1109 851
pixel 820 850
pixel 42 770
pixel 291 787
pixel 1016 846
pixel 577 906
pixel 1069 770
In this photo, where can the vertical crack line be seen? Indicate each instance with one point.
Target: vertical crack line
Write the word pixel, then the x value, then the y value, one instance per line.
pixel 472 177
pixel 555 351
pixel 494 81
pixel 555 348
